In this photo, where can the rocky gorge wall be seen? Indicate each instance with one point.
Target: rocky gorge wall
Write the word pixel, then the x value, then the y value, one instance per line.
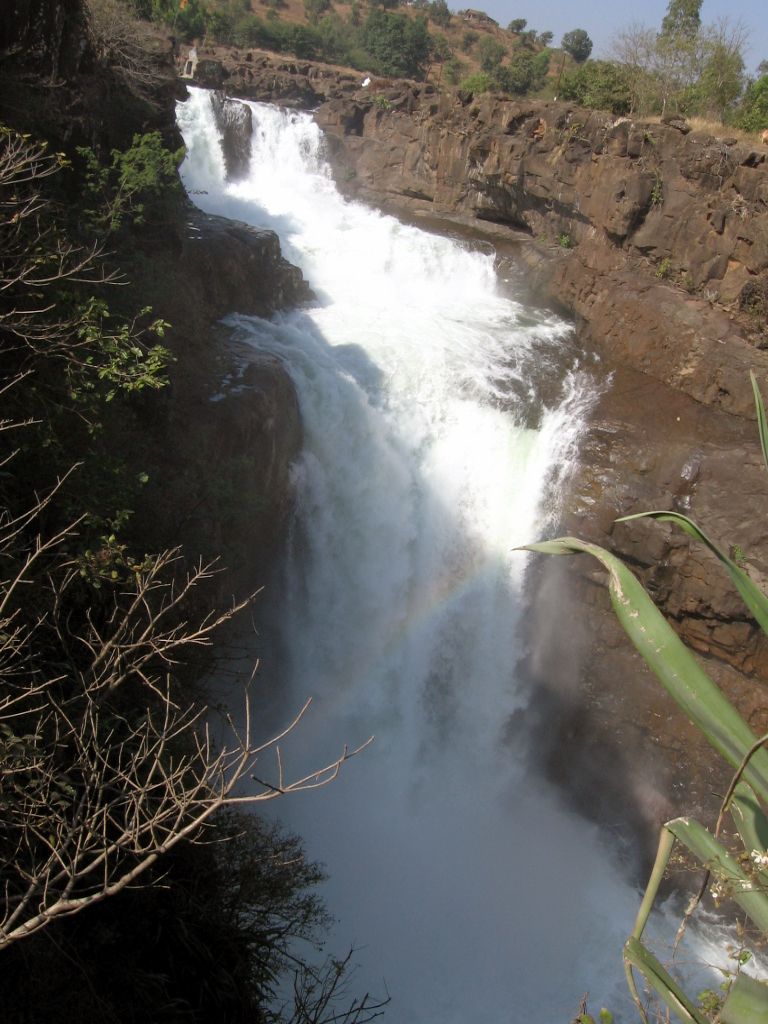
pixel 642 212
pixel 655 239
pixel 218 470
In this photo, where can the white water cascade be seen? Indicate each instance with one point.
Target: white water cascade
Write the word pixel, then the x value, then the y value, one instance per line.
pixel 429 454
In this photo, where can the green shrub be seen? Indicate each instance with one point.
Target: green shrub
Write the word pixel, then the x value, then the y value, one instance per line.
pixel 439 13
pixel 490 52
pixel 751 115
pixel 398 45
pixel 468 39
pixel 523 74
pixel 453 70
pixel 599 85
pixel 479 82
pixel 134 187
pixel 314 8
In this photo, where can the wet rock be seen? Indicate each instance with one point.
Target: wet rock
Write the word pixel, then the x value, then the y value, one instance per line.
pixel 235 122
pixel 239 267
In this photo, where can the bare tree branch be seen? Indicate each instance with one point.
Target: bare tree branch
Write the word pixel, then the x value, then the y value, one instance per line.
pixel 94 794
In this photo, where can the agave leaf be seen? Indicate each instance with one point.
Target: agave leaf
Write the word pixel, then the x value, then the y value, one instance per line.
pixel 675 666
pixel 636 954
pixel 666 842
pixel 753 597
pixel 762 426
pixel 747 1002
pixel 749 819
pixel 743 889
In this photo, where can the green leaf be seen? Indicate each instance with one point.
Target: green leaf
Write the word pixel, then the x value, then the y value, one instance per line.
pixel 636 954
pixel 753 597
pixel 747 1002
pixel 741 887
pixel 749 819
pixel 674 665
pixel 762 425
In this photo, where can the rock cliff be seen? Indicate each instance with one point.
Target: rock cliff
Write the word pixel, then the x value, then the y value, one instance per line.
pixel 662 236
pixel 232 425
pixel 219 469
pixel 656 241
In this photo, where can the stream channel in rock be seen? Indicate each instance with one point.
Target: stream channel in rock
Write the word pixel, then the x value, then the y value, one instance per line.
pixel 441 417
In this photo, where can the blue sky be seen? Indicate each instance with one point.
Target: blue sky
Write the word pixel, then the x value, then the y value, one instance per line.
pixel 601 20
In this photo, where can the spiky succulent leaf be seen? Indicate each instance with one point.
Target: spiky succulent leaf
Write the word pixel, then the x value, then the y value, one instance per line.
pixel 747 1002
pixel 750 821
pixel 726 869
pixel 753 597
pixel 638 956
pixel 762 425
pixel 677 669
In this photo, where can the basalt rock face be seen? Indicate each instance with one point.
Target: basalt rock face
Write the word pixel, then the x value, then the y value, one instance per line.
pixel 50 32
pixel 655 227
pixel 252 75
pixel 663 258
pixel 231 425
pixel 239 268
pixel 219 454
pixel 599 722
pixel 235 122
pixel 657 242
pixel 61 83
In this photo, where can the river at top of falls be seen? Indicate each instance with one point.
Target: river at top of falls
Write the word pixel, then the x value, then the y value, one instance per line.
pixel 439 419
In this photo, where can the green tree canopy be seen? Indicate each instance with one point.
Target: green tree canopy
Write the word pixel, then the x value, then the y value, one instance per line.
pixel 468 40
pixel 598 84
pixel 683 18
pixel 399 45
pixel 315 8
pixel 578 44
pixel 441 48
pixel 752 113
pixel 722 78
pixel 439 13
pixel 490 52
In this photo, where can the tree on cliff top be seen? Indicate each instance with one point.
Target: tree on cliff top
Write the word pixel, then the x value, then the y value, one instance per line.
pixel 598 84
pixel 752 113
pixel 633 50
pixel 695 68
pixel 682 20
pixel 490 52
pixel 578 44
pixel 399 45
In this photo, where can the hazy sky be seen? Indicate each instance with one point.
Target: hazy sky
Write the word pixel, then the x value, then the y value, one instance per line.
pixel 601 19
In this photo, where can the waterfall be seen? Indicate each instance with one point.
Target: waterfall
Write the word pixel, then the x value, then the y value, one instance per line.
pixel 440 418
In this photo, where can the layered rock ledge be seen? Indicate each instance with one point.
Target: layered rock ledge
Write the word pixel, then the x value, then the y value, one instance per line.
pixel 661 238
pixel 656 241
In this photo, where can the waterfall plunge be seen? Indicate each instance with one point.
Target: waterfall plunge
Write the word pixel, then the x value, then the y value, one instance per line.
pixel 429 455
